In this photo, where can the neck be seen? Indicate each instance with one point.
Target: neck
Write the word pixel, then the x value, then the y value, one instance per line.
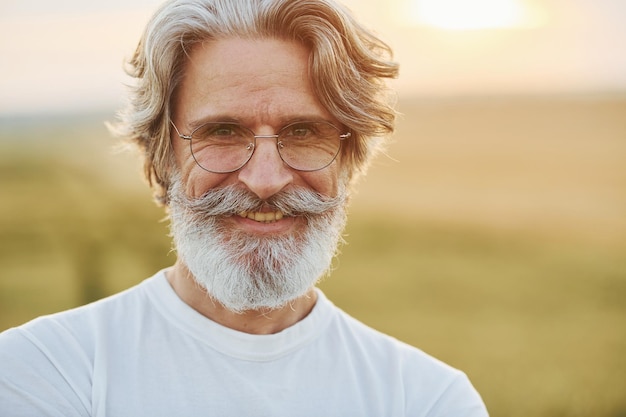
pixel 263 321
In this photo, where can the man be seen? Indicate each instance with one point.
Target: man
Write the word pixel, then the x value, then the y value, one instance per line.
pixel 255 118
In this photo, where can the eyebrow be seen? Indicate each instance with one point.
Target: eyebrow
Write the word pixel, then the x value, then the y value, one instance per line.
pixel 282 121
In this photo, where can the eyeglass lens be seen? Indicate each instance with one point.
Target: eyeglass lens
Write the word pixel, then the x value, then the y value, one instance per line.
pixel 226 147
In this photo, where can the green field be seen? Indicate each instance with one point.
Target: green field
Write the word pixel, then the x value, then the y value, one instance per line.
pixel 493 237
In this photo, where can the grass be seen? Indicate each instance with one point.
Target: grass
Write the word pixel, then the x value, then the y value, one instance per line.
pixel 476 246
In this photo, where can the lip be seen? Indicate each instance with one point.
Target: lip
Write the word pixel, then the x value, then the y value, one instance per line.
pixel 262 216
pixel 283 225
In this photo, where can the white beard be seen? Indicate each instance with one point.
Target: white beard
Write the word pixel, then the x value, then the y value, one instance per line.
pixel 247 272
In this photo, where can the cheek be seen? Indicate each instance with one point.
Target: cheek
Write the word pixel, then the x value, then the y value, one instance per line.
pixel 325 182
pixel 196 180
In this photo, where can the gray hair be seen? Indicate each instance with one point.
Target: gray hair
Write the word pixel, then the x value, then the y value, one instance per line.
pixel 348 65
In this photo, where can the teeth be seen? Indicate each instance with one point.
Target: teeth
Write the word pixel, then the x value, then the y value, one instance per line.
pixel 265 217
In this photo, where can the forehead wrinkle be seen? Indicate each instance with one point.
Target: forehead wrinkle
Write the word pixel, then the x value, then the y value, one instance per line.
pixel 265 113
pixel 241 93
pixel 258 112
pixel 272 96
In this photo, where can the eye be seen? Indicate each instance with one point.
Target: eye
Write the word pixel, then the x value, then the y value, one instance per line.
pixel 219 131
pixel 300 130
pixel 223 130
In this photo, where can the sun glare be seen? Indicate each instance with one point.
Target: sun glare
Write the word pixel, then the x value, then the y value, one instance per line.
pixel 473 14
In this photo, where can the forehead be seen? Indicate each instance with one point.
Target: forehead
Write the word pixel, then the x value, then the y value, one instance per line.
pixel 252 81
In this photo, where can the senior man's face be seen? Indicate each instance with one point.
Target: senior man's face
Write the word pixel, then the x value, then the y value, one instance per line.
pixel 262 235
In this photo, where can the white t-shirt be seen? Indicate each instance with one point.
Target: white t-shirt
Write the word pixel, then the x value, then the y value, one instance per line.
pixel 144 352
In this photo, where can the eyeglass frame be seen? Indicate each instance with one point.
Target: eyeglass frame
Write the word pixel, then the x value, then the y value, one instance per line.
pixel 189 137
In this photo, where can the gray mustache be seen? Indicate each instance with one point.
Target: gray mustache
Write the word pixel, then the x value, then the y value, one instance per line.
pixel 229 200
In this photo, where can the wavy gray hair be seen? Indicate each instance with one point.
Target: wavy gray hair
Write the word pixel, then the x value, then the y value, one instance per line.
pixel 348 65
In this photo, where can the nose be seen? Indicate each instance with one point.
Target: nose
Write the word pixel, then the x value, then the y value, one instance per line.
pixel 265 174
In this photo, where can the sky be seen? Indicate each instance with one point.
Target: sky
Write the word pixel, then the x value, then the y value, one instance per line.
pixel 68 55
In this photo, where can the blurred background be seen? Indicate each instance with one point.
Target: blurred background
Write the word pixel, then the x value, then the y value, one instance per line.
pixel 492 235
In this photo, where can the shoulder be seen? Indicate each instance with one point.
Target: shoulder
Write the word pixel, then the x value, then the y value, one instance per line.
pixel 76 322
pixel 426 383
pixel 49 361
pixel 80 324
pixel 381 346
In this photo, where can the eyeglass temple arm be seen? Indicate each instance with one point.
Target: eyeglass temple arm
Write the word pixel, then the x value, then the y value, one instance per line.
pixel 180 135
pixel 188 137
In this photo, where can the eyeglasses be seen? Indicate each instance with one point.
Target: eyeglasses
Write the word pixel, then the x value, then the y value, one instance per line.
pixel 226 147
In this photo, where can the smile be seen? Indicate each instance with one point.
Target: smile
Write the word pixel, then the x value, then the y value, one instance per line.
pixel 266 217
